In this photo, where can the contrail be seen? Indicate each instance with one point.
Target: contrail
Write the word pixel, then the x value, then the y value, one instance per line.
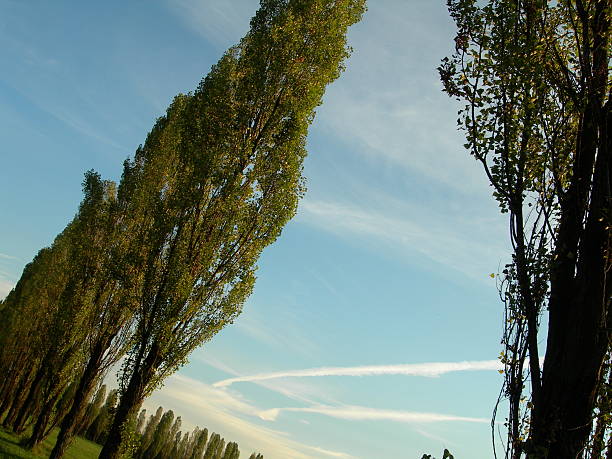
pixel 431 370
pixel 360 413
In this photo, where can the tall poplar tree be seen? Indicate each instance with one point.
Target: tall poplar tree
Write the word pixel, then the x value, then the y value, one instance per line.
pixel 231 451
pixel 141 421
pixel 215 182
pixel 199 441
pixel 183 447
pixel 161 435
pixel 149 431
pixel 172 438
pixel 93 409
pixel 536 79
pixel 213 446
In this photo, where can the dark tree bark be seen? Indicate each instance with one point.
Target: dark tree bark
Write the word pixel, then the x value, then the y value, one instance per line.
pixel 70 422
pixel 130 403
pixel 579 318
pixel 27 405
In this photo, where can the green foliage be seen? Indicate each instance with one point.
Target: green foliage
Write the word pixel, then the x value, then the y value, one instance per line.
pixel 142 419
pixel 214 447
pixel 218 178
pixel 98 430
pixel 199 441
pixel 149 432
pixel 161 435
pixel 231 451
pixel 162 439
pixel 131 442
pixel 93 408
pixel 52 309
pixel 171 439
pixel 183 447
pixel 220 175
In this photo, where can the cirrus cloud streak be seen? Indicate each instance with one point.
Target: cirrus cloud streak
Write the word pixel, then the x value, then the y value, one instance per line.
pixel 362 413
pixel 430 369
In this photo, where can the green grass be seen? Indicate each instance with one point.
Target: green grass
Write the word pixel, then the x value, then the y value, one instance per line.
pixel 80 448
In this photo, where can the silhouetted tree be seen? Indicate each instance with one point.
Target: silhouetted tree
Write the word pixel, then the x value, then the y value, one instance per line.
pixel 535 77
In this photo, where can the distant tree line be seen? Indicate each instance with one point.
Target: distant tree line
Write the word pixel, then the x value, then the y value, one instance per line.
pixel 154 266
pixel 157 437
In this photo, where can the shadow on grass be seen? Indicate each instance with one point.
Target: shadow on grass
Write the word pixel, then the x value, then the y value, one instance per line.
pixel 80 448
pixel 10 448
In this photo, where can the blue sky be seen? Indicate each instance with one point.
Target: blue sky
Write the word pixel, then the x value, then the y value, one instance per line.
pixel 382 275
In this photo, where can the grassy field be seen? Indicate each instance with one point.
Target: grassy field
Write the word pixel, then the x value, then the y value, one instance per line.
pixel 80 448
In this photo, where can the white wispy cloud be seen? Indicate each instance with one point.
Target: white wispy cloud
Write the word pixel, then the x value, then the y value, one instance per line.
pixel 362 413
pixel 5 288
pixel 395 128
pixel 446 239
pixel 80 111
pixel 294 389
pixel 290 337
pixel 84 128
pixel 431 436
pixel 223 411
pixel 431 369
pixel 7 277
pixel 219 21
pixel 390 115
pixel 330 453
pixel 390 103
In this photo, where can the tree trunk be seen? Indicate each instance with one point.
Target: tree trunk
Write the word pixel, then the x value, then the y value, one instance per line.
pixel 15 401
pixel 130 403
pixel 579 303
pixel 17 386
pixel 71 421
pixel 580 290
pixel 19 416
pixel 40 431
pixel 577 341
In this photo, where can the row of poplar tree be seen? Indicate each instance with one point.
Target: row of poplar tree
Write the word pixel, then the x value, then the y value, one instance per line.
pixel 159 436
pixel 154 266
